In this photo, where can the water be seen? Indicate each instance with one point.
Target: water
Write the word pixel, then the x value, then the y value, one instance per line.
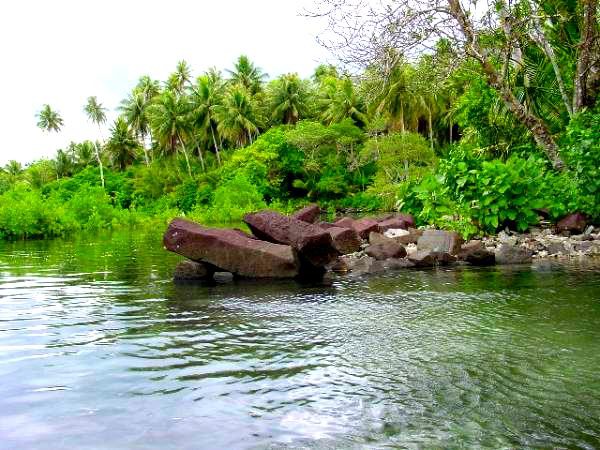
pixel 100 350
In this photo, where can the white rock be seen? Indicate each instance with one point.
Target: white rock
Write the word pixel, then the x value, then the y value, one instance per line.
pixel 396 232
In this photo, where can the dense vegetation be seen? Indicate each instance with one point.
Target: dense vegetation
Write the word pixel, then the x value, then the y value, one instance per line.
pixel 431 136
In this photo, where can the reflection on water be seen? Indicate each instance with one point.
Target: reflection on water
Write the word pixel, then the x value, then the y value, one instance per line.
pixel 99 349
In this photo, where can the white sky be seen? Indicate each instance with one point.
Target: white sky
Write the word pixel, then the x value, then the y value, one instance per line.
pixel 62 51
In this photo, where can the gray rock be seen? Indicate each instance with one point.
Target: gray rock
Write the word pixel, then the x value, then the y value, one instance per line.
pixel 440 241
pixel 383 251
pixel 474 252
pixel 427 258
pixel 513 254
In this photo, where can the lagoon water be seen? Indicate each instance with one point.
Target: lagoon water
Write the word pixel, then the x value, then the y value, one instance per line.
pixel 99 349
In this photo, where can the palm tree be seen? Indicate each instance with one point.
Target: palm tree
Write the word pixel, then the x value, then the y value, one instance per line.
pixel 148 87
pixel 341 102
pixel 246 74
pixel 207 96
pixel 84 153
pixel 97 114
pixel 63 164
pixel 289 99
pixel 122 146
pixel 13 168
pixel 170 121
pixel 236 117
pixel 395 96
pixel 134 110
pixel 49 120
pixel 181 78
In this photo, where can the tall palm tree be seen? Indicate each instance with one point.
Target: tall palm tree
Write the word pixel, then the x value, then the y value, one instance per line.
pixel 207 96
pixel 63 164
pixel 180 79
pixel 148 87
pixel 84 153
pixel 97 114
pixel 49 120
pixel 170 121
pixel 13 168
pixel 237 117
pixel 289 99
pixel 246 74
pixel 122 145
pixel 134 109
pixel 395 96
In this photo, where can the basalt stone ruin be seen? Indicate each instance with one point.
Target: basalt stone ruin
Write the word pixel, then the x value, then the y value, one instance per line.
pixel 300 246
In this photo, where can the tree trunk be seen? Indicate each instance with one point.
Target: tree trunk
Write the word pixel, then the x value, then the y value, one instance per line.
pixel 450 132
pixel 402 117
pixel 212 130
pixel 187 160
pixel 430 125
pixel 534 124
pixel 588 61
pixel 143 138
pixel 100 160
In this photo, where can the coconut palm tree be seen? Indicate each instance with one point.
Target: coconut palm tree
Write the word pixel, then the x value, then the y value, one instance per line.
pixel 237 117
pixel 148 87
pixel 180 79
pixel 97 114
pixel 134 110
pixel 289 99
pixel 170 121
pixel 122 145
pixel 206 97
pixel 13 168
pixel 63 164
pixel 246 74
pixel 341 101
pixel 49 120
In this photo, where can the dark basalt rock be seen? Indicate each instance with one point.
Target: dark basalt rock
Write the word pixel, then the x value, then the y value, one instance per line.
pixel 475 253
pixel 307 214
pixel 440 241
pixel 365 226
pixel 231 251
pixel 345 240
pixel 193 271
pixel 314 244
pixel 383 251
pixel 573 223
pixel 513 254
pixel 428 258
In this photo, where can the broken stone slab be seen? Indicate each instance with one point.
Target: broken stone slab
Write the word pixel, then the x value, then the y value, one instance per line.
pixel 513 254
pixel 475 253
pixel 429 258
pixel 193 271
pixel 313 243
pixel 308 214
pixel 573 223
pixel 440 241
pixel 231 251
pixel 383 251
pixel 362 226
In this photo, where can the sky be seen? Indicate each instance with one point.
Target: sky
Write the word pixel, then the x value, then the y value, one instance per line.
pixel 61 52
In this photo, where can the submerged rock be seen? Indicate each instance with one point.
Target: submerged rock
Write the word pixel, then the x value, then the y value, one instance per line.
pixel 440 241
pixel 193 271
pixel 231 251
pixel 307 214
pixel 313 243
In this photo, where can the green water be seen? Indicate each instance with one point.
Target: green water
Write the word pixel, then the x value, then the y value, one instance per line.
pixel 100 350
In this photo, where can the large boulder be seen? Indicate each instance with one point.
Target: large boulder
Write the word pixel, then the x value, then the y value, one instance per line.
pixel 404 237
pixel 574 223
pixel 308 214
pixel 475 253
pixel 383 251
pixel 231 251
pixel 313 243
pixel 428 258
pixel 513 254
pixel 440 241
pixel 345 240
pixel 394 223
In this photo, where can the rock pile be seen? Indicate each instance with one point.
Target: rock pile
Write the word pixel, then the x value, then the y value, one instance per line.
pixel 301 246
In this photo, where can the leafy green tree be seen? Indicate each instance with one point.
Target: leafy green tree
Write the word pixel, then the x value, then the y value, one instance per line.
pixel 13 168
pixel 180 79
pixel 289 98
pixel 170 121
pixel 341 101
pixel 97 114
pixel 121 146
pixel 49 120
pixel 63 164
